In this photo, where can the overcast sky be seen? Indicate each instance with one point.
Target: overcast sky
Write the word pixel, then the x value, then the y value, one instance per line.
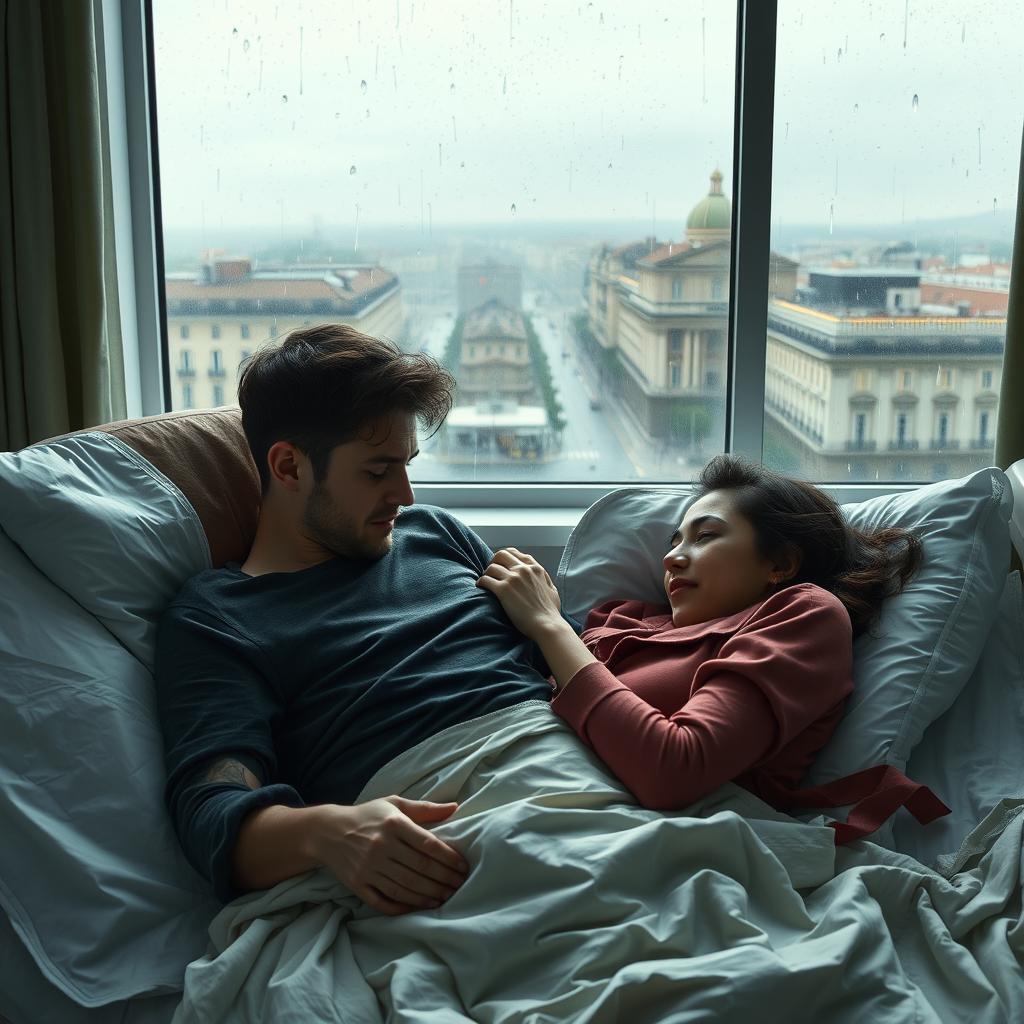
pixel 452 112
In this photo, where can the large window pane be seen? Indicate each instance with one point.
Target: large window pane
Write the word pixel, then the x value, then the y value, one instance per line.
pixel 897 146
pixel 536 193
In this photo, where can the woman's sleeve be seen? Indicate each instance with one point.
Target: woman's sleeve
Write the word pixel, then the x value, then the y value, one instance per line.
pixel 785 669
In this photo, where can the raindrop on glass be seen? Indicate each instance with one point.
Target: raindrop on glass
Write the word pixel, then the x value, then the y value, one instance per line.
pixel 881 37
pixel 284 98
pixel 504 84
pixel 513 209
pixel 856 107
pixel 234 31
pixel 913 103
pixel 451 88
pixel 963 31
pixel 993 201
pixel 831 216
pixel 363 87
pixel 352 169
pixel 245 45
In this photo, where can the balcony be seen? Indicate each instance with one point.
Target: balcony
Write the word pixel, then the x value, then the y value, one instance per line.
pixel 186 372
pixel 982 444
pixel 217 372
pixel 949 445
pixel 904 446
pixel 860 446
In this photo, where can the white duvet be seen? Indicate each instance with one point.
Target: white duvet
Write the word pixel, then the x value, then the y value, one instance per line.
pixel 582 906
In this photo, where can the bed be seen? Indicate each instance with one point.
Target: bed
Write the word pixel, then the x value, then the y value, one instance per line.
pixel 582 905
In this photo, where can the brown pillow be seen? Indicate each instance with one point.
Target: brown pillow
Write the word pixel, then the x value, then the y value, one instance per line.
pixel 204 452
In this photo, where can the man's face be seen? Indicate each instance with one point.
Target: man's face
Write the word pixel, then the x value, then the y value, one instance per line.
pixel 353 510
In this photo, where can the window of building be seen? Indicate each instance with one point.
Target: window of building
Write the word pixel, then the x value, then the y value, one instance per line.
pixel 244 329
pixel 183 331
pixel 218 394
pixel 986 380
pixel 675 375
pixel 186 360
pixel 675 341
pixel 677 287
pixel 944 378
pixel 983 427
pixel 862 380
pixel 901 428
pixel 860 427
pixel 943 430
pixel 905 380
pixel 215 361
pixel 214 330
pixel 186 396
pixel 716 289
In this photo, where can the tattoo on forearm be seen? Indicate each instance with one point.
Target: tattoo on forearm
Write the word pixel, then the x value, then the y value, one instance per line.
pixel 228 771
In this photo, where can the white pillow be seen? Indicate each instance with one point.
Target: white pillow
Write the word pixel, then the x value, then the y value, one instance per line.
pixel 912 665
pixel 92 876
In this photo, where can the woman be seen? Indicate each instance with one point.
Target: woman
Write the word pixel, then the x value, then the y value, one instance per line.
pixel 744 675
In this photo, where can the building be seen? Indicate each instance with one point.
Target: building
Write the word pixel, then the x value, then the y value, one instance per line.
pixel 499 412
pixel 981 290
pixel 218 317
pixel 860 385
pixel 657 317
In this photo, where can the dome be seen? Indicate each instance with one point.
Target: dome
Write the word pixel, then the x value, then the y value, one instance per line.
pixel 713 212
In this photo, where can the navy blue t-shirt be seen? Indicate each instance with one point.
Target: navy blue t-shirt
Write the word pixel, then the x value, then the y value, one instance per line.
pixel 317 678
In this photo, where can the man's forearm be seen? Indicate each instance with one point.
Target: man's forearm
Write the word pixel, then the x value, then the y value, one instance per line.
pixel 274 843
pixel 564 651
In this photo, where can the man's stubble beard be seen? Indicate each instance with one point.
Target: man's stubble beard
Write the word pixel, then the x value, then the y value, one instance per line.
pixel 324 523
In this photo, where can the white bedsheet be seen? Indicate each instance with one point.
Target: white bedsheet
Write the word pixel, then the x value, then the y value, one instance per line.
pixel 582 906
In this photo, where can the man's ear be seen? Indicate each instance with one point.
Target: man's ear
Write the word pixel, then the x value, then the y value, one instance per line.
pixel 283 462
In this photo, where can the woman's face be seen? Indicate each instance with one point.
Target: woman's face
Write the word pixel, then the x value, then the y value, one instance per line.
pixel 713 567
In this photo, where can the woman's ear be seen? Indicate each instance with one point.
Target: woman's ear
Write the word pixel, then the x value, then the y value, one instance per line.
pixel 786 566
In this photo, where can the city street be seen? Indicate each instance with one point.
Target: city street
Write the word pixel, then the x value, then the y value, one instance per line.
pixel 591 449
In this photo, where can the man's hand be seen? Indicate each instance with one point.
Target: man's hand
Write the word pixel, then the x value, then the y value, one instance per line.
pixel 525 591
pixel 379 851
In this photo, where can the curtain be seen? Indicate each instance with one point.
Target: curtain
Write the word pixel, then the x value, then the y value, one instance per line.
pixel 1010 420
pixel 61 364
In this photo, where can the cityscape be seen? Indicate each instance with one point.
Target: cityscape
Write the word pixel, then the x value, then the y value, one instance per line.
pixel 579 359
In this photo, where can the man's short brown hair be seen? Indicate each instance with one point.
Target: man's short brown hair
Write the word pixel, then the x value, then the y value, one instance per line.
pixel 322 385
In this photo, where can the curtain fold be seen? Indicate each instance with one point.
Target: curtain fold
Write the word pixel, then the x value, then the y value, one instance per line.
pixel 1010 418
pixel 61 362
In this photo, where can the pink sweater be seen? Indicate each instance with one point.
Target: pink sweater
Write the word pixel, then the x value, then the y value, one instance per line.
pixel 749 698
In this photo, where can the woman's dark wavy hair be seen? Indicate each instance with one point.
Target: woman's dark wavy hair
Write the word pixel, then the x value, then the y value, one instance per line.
pixel 790 516
pixel 323 385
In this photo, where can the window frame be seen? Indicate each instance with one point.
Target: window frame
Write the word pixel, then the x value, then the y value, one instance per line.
pixel 542 513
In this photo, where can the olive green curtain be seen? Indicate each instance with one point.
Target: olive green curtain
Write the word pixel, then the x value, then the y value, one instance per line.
pixel 61 365
pixel 1010 421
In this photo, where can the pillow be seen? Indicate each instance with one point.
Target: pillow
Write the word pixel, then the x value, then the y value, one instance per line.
pixel 92 875
pixel 910 668
pixel 106 527
pixel 974 751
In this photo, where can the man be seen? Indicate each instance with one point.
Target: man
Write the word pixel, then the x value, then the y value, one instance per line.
pixel 353 631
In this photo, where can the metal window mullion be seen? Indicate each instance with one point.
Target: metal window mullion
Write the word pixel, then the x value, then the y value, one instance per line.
pixel 756 22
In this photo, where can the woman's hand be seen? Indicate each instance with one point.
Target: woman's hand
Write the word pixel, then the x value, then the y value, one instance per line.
pixel 525 591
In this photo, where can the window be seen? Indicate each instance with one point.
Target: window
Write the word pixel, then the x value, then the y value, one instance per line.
pixel 218 394
pixel 863 135
pixel 215 361
pixel 983 428
pixel 186 396
pixel 860 428
pixel 183 331
pixel 986 380
pixel 850 150
pixel 244 329
pixel 675 375
pixel 466 217
pixel 186 360
pixel 214 330
pixel 675 341
pixel 862 380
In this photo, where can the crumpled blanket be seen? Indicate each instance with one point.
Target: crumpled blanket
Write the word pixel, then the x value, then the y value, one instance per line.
pixel 583 906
